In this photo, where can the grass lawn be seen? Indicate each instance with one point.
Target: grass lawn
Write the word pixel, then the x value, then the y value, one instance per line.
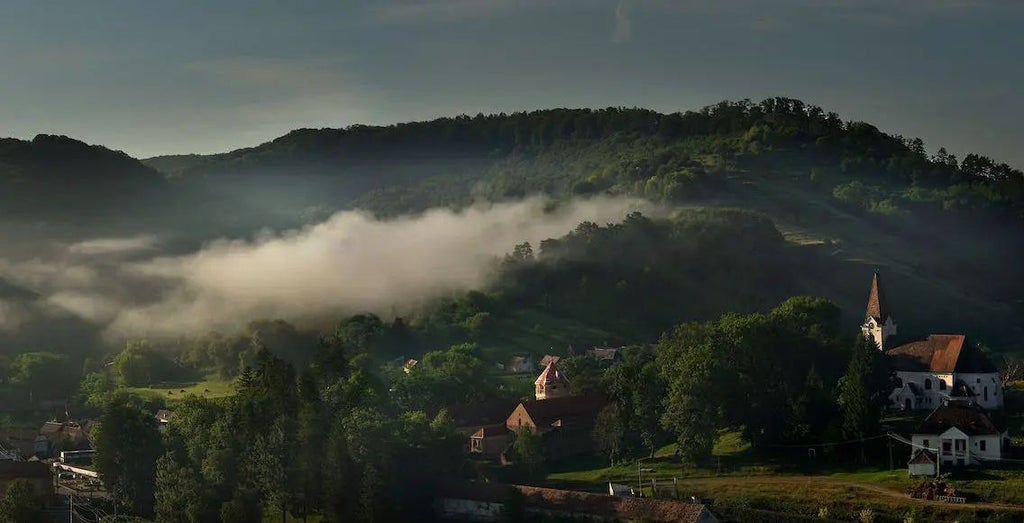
pixel 210 387
pixel 748 487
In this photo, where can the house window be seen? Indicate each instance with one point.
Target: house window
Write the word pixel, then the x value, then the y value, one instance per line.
pixel 927 384
pixel 924 443
pixel 978 380
pixel 942 385
pixel 475 444
pixel 982 443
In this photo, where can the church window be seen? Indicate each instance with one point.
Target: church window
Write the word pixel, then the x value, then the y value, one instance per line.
pixel 927 384
pixel 942 384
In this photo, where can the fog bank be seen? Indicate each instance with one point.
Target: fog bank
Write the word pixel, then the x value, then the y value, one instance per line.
pixel 349 263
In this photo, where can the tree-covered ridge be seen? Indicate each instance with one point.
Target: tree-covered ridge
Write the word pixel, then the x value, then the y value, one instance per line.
pixel 638 151
pixel 56 176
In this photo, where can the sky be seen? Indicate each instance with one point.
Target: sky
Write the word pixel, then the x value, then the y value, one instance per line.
pixel 153 78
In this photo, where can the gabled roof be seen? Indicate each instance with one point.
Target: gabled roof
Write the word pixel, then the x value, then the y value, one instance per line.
pixel 941 353
pixel 969 419
pixel 878 307
pixel 551 374
pixel 548 358
pixel 577 409
pixel 922 457
pixel 488 431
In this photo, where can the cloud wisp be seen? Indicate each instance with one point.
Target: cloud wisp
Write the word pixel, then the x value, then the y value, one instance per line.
pixel 350 263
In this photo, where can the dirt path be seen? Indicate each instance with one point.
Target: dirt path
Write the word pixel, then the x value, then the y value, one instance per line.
pixel 877 489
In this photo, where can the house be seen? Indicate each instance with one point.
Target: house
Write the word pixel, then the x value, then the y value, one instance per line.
pixel 477 501
pixel 407 367
pixel 958 434
pixel 551 383
pixel 36 472
pixel 490 441
pixel 68 435
pixel 163 417
pixel 520 364
pixel 607 355
pixel 922 463
pixel 564 423
pixel 878 323
pixel 930 372
pixel 548 358
pixel 483 425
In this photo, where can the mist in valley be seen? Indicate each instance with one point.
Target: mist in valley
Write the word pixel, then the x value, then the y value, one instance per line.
pixel 352 262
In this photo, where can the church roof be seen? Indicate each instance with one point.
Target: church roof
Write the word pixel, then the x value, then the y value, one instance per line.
pixel 970 419
pixel 943 353
pixel 878 307
pixel 551 374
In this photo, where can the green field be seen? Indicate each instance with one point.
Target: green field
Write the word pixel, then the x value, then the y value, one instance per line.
pixel 748 487
pixel 170 392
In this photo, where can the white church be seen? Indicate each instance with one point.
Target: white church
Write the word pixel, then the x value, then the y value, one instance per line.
pixel 934 370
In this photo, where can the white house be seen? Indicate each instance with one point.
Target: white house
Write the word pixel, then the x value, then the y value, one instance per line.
pixel 959 434
pixel 878 323
pixel 942 367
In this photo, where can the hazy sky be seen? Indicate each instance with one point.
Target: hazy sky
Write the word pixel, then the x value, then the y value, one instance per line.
pixel 158 77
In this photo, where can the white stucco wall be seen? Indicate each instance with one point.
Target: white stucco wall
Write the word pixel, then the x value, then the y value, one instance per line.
pixel 934 397
pixel 922 469
pixel 979 383
pixel 993 444
pixel 879 332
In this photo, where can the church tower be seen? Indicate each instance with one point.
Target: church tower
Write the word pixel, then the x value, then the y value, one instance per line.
pixel 878 324
pixel 551 383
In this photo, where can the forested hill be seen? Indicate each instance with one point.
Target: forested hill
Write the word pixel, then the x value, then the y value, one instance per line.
pixel 947 230
pixel 59 177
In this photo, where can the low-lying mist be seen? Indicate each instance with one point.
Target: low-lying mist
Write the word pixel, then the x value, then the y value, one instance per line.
pixel 349 263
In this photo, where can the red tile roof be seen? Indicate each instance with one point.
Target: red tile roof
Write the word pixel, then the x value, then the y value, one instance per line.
pixel 573 409
pixel 941 353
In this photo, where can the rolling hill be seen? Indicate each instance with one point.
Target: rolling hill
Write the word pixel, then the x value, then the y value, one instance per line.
pixel 848 198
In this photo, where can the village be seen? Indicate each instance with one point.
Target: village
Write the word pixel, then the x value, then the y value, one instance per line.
pixel 947 411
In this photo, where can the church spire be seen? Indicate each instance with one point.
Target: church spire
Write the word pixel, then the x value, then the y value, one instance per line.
pixel 878 308
pixel 878 323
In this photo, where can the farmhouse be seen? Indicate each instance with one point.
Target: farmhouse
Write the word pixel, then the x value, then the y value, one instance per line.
pixel 564 423
pixel 956 434
pixel 483 424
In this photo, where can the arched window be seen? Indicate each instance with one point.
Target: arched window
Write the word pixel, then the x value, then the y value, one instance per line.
pixel 927 384
pixel 942 384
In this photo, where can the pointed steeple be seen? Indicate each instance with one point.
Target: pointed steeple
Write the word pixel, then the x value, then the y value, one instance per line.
pixel 878 308
pixel 551 383
pixel 878 323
